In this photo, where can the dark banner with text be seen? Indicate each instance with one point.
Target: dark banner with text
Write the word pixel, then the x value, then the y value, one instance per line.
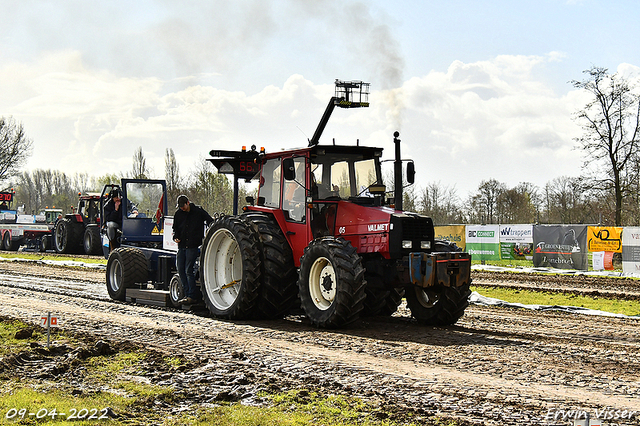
pixel 560 246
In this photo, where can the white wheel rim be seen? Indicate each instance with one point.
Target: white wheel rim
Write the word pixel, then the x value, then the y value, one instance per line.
pixel 115 275
pixel 222 269
pixel 322 283
pixel 175 289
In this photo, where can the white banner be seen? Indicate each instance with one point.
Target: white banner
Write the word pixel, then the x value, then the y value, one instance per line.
pixel 516 234
pixel 167 237
pixel 631 250
pixel 483 234
pixel 598 260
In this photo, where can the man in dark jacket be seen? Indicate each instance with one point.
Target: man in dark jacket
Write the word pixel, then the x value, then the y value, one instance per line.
pixel 113 217
pixel 188 231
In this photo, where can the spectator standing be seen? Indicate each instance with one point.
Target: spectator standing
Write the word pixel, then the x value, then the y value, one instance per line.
pixel 188 232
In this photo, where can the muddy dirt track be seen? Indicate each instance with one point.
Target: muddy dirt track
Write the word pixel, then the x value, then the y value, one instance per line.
pixel 495 366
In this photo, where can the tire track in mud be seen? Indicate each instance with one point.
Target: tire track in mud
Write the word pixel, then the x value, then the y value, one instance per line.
pixel 496 366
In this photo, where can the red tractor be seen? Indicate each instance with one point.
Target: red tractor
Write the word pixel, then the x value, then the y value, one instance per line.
pixel 323 236
pixel 79 232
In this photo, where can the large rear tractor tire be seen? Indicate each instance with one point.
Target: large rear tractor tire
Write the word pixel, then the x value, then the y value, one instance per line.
pixel 230 268
pixel 331 283
pixel 278 278
pixel 92 241
pixel 68 236
pixel 126 267
pixel 438 305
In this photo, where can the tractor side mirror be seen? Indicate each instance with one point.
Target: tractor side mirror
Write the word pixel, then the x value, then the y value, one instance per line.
pixel 411 172
pixel 288 169
pixel 250 200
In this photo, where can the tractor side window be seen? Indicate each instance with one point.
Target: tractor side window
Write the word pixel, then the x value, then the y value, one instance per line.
pixel 365 177
pixel 294 194
pixel 319 189
pixel 270 183
pixel 340 179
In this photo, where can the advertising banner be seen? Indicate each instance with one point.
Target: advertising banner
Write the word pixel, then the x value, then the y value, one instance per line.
pixel 483 242
pixel 560 246
pixel 631 250
pixel 604 238
pixel 453 233
pixel 602 260
pixel 516 241
pixel 516 234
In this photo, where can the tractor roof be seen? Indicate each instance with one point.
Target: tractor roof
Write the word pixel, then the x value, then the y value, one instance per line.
pixel 245 164
pixel 313 151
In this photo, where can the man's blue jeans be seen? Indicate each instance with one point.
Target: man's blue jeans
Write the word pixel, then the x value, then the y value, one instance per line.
pixel 185 262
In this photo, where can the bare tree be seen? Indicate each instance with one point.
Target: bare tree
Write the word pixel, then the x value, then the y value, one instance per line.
pixel 441 203
pixel 516 205
pixel 172 175
pixel 211 189
pixel 15 147
pixel 140 170
pixel 483 206
pixel 611 125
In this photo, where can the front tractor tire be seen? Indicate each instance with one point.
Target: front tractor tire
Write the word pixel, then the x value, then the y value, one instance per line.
pixel 331 283
pixel 68 236
pixel 126 267
pixel 438 305
pixel 230 268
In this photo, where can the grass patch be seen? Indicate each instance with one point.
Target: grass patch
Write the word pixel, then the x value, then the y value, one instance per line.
pixel 9 328
pixel 44 256
pixel 626 307
pixel 55 406
pixel 302 407
pixel 121 382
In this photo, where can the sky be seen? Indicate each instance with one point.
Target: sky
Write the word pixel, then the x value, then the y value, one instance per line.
pixel 477 89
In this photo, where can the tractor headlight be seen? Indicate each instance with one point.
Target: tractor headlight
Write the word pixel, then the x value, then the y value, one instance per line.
pixel 406 244
pixel 425 244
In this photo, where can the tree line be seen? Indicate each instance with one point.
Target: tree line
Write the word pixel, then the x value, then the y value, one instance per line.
pixel 562 200
pixel 39 189
pixel 608 193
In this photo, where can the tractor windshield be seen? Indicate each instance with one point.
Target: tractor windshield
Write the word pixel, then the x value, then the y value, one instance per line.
pixel 344 176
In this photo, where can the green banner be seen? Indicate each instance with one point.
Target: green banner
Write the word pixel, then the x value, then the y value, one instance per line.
pixel 506 251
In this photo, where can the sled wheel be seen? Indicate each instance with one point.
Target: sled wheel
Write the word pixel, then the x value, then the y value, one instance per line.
pixel 126 267
pixel 176 292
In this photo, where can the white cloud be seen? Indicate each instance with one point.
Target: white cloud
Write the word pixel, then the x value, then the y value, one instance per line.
pixel 489 119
